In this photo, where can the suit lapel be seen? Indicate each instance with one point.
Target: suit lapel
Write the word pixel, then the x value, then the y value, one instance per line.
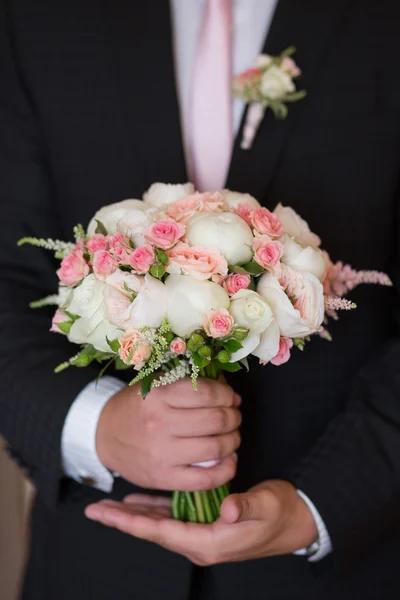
pixel 143 54
pixel 311 26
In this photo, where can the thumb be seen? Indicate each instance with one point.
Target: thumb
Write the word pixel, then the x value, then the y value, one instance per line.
pixel 243 507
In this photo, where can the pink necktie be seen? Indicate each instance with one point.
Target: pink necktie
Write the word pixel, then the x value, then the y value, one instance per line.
pixel 210 107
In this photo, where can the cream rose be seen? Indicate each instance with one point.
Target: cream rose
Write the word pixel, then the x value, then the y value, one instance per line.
pixel 227 232
pixel 306 260
pixel 233 199
pixel 251 311
pixel 189 300
pixel 295 227
pixel 162 194
pixel 306 314
pixel 276 82
pixel 118 292
pixel 111 214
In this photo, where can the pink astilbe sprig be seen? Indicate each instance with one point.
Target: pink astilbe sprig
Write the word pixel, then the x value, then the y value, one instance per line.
pixel 342 279
pixel 333 304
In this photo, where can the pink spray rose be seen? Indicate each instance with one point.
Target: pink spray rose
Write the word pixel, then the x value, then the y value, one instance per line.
pixel 142 258
pixel 178 346
pixel 199 261
pixel 134 349
pixel 289 65
pixel 285 345
pixel 97 242
pixel 249 77
pixel 186 207
pixel 73 268
pixel 235 282
pixel 165 234
pixel 245 211
pixel 213 202
pixel 218 323
pixel 267 252
pixel 120 248
pixel 264 221
pixel 59 317
pixel 103 264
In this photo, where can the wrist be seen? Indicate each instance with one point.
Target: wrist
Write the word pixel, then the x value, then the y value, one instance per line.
pixel 106 441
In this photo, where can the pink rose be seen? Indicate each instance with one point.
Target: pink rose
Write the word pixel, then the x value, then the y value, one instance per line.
pixel 142 258
pixel 97 242
pixel 120 248
pixel 199 261
pixel 165 234
pixel 73 268
pixel 249 77
pixel 264 221
pixel 103 264
pixel 213 202
pixel 245 211
pixel 186 207
pixel 218 323
pixel 267 252
pixel 59 317
pixel 289 65
pixel 235 282
pixel 134 349
pixel 285 344
pixel 178 346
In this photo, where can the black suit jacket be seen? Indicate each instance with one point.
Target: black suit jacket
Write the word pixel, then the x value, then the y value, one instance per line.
pixel 89 116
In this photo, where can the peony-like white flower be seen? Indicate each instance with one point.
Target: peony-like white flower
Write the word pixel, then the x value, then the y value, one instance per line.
pixel 162 194
pixel 111 214
pixel 251 311
pixel 296 227
pixel 92 327
pixel 117 293
pixel 233 199
pixel 306 260
pixel 275 83
pixel 227 232
pixel 149 309
pixel 268 347
pixel 189 300
pixel 134 223
pixel 305 315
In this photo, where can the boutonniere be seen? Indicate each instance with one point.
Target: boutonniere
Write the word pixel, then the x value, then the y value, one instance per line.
pixel 269 84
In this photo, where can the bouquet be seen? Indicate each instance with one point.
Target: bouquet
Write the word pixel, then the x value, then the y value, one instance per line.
pixel 187 284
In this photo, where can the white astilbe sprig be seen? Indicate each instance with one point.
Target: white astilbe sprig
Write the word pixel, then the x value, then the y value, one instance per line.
pixel 60 248
pixel 182 370
pixel 52 300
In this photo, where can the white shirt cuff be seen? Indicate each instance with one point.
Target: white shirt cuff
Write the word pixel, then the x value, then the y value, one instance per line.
pixel 78 443
pixel 323 544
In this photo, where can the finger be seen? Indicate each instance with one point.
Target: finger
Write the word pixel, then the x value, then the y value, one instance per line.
pixel 209 394
pixel 201 449
pixel 190 478
pixel 147 499
pixel 244 507
pixel 204 421
pixel 105 511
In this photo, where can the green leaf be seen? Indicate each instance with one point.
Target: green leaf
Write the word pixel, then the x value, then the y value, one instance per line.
pixel 288 52
pixel 145 385
pixel 100 228
pixel 245 363
pixel 253 268
pixel 232 345
pixel 104 369
pixel 162 256
pixel 230 367
pixel 120 365
pixel 65 326
pixel 200 361
pixel 70 315
pixel 237 269
pixel 114 344
pixel 295 96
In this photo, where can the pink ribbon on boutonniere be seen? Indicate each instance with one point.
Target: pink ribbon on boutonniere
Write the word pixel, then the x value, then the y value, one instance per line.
pixel 269 84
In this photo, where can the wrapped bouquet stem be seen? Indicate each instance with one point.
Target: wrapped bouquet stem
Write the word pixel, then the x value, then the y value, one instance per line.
pixel 187 284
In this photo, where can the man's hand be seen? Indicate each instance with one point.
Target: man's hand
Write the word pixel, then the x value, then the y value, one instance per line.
pixel 154 442
pixel 268 520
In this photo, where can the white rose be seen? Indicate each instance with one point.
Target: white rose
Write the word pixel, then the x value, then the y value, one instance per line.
pixel 92 327
pixel 262 61
pixel 188 301
pixel 227 232
pixel 251 311
pixel 296 227
pixel 276 83
pixel 306 260
pixel 111 214
pixel 235 198
pixel 269 343
pixel 308 315
pixel 117 298
pixel 134 222
pixel 162 194
pixel 149 309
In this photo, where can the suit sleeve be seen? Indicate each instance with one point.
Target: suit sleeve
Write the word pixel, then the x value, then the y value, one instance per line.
pixel 352 474
pixel 33 400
